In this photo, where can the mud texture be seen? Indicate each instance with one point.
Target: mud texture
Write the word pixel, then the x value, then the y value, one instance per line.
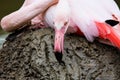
pixel 29 55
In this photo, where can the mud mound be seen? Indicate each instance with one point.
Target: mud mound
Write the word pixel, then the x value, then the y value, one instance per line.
pixel 29 55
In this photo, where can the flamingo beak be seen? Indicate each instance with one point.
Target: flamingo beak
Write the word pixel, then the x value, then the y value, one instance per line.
pixel 59 39
pixel 59 43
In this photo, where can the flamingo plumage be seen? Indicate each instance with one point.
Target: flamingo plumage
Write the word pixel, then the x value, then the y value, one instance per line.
pixel 94 19
pixel 92 16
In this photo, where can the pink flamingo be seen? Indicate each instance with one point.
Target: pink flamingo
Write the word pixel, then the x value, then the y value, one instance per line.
pixel 95 18
pixel 60 20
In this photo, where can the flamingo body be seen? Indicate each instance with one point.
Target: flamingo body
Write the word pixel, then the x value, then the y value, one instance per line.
pixel 89 18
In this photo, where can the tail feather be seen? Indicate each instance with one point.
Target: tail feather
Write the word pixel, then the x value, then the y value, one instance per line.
pixel 108 32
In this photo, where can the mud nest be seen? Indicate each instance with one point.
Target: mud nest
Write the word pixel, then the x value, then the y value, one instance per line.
pixel 29 55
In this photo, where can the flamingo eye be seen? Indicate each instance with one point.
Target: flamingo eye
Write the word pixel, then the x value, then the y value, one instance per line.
pixel 65 23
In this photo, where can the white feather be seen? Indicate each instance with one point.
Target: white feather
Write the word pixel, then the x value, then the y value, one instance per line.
pixel 111 7
pixel 49 15
pixel 86 12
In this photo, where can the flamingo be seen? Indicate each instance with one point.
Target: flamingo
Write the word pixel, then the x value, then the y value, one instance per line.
pixel 58 17
pixel 95 18
pixel 61 19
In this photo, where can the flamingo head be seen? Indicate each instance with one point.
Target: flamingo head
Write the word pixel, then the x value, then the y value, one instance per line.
pixel 61 25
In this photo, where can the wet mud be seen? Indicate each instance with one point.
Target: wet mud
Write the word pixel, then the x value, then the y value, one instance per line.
pixel 29 55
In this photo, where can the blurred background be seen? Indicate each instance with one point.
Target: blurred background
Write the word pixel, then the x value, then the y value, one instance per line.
pixel 8 6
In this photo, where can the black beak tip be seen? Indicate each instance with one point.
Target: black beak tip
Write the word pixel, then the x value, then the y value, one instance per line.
pixel 59 56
